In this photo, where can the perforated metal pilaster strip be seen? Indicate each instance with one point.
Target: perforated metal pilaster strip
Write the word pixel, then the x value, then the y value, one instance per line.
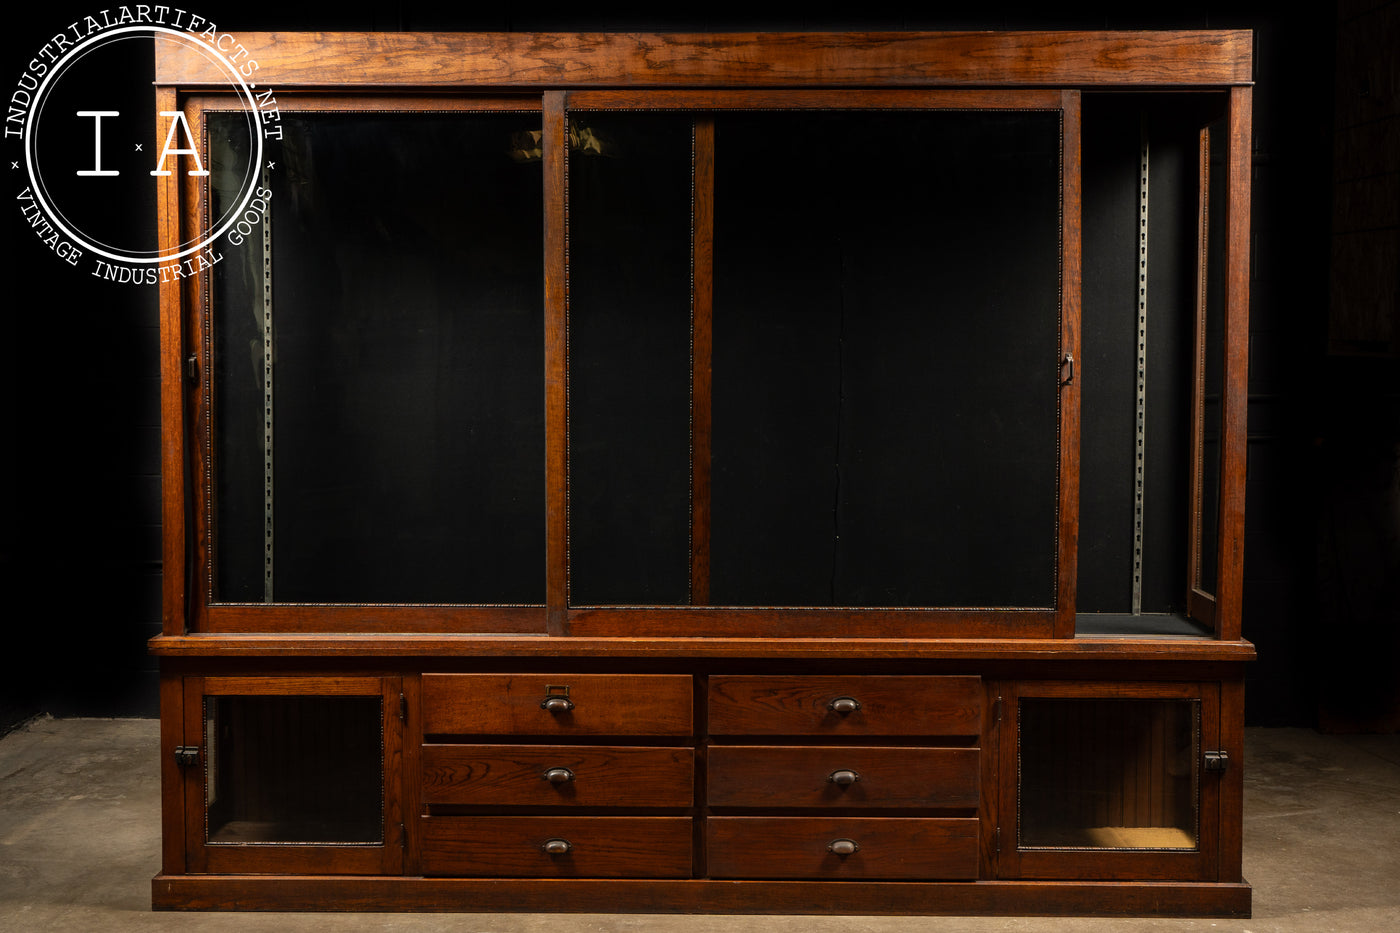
pixel 268 354
pixel 1140 404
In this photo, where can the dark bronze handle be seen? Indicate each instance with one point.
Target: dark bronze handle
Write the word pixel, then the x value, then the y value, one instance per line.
pixel 844 777
pixel 843 847
pixel 557 846
pixel 844 705
pixel 557 776
pixel 557 704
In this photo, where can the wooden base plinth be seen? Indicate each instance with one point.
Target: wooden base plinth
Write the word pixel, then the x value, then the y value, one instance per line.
pixel 999 898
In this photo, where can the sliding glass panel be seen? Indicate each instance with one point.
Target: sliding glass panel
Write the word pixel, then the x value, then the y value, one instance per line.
pixel 886 359
pixel 378 390
pixel 882 400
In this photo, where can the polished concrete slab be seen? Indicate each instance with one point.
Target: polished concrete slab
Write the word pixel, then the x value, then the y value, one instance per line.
pixel 79 842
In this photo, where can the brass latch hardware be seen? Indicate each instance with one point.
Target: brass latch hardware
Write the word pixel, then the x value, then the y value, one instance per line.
pixel 186 755
pixel 1217 761
pixel 556 698
pixel 192 368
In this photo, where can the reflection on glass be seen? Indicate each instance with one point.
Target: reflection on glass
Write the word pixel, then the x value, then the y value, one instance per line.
pixel 1108 774
pixel 378 427
pixel 294 769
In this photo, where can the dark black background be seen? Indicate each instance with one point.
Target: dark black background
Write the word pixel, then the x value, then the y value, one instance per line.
pixel 80 553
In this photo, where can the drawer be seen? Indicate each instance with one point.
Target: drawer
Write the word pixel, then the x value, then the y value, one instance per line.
pixel 558 776
pixel 557 704
pixel 845 705
pixel 786 776
pixel 587 846
pixel 806 847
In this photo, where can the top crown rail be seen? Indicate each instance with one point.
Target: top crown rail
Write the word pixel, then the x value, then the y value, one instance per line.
pixel 1200 58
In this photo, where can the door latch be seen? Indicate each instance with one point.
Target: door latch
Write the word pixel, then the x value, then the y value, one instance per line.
pixel 1217 761
pixel 186 755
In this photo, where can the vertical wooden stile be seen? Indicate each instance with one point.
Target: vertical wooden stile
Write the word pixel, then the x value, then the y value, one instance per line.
pixel 1070 247
pixel 555 150
pixel 172 400
pixel 701 353
pixel 1235 393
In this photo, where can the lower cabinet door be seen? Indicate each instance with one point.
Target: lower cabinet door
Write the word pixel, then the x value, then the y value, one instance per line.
pixel 292 774
pixel 557 846
pixel 834 848
pixel 1112 781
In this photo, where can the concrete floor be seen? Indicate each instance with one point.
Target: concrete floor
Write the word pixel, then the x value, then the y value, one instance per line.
pixel 79 842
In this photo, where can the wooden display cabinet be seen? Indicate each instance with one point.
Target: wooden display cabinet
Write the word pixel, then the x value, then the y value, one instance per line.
pixel 737 473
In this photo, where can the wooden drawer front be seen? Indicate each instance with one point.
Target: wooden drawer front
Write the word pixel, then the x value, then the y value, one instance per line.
pixel 801 847
pixel 518 775
pixel 598 846
pixel 602 704
pixel 784 776
pixel 744 705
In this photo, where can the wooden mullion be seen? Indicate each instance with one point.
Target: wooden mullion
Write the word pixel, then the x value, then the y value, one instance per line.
pixel 1067 554
pixel 701 354
pixel 172 403
pixel 199 426
pixel 1234 397
pixel 555 156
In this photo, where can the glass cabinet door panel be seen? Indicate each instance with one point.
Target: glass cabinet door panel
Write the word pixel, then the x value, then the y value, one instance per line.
pixel 294 769
pixel 378 395
pixel 1109 774
pixel 886 359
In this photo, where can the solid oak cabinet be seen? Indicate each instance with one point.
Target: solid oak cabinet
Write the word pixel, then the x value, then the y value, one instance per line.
pixel 740 473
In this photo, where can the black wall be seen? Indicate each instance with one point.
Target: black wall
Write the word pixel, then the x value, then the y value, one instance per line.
pixel 80 552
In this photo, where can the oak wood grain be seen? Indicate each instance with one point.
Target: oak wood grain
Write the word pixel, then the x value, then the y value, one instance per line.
pixel 599 775
pixel 603 704
pixel 801 776
pixel 798 847
pixel 579 60
pixel 802 705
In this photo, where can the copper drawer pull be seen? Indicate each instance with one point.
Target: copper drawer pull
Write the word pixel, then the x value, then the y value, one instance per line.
pixel 557 776
pixel 844 705
pixel 556 847
pixel 844 777
pixel 842 847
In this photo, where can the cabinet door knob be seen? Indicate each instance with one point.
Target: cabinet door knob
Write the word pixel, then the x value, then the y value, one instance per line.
pixel 556 846
pixel 557 776
pixel 844 777
pixel 842 847
pixel 844 705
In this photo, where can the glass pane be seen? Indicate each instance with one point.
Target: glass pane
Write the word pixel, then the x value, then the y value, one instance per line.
pixel 285 769
pixel 1213 365
pixel 397 452
pixel 1113 774
pixel 886 359
pixel 629 359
